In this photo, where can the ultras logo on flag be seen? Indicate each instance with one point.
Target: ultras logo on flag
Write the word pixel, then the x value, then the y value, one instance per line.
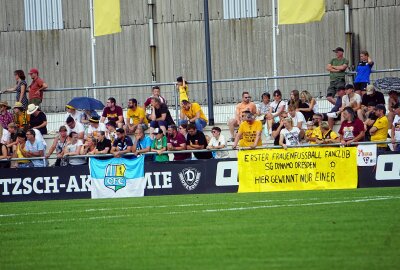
pixel 117 177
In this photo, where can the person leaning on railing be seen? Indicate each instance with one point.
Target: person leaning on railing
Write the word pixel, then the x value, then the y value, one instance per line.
pixel 103 145
pixel 352 129
pixel 34 147
pixel 59 143
pixel 72 149
pixel 3 153
pixel 89 147
pixel 395 132
pixel 19 152
pixel 327 135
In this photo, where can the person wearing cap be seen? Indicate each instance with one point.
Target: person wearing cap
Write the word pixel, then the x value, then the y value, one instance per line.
pixel 36 87
pixel 327 135
pixel 352 129
pixel 363 70
pixel 371 96
pixel 113 112
pixel 350 99
pixel 395 132
pixel 95 127
pixel 73 126
pixel 337 67
pixel 290 135
pixel 38 119
pixel 135 116
pixel 183 89
pixel 245 105
pixel 379 131
pixel 20 116
pixel 249 133
pixel 196 140
pixel 71 111
pixel 393 100
pixel 160 116
pixel 122 145
pixel 177 142
pixel 20 88
pixel 159 145
pixel 193 113
pixel 5 116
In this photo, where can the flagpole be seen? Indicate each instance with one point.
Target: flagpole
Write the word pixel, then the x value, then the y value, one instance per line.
pixel 274 31
pixel 93 47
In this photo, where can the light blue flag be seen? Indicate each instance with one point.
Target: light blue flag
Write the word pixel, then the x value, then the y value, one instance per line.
pixel 117 177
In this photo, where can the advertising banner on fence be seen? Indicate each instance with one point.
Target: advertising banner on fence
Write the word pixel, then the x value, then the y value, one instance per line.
pixel 117 177
pixel 366 155
pixel 297 169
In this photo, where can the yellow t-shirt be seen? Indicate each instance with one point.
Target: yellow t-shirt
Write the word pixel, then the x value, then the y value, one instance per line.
pixel 249 133
pixel 136 115
pixel 20 155
pixel 316 133
pixel 330 134
pixel 382 124
pixel 193 110
pixel 183 93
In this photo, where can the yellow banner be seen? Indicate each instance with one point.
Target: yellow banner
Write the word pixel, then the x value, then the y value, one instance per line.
pixel 107 16
pixel 300 11
pixel 297 169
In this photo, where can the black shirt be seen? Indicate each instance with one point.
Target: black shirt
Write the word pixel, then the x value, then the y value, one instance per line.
pixel 377 98
pixel 37 121
pixel 201 140
pixel 164 109
pixel 275 126
pixel 123 144
pixel 103 145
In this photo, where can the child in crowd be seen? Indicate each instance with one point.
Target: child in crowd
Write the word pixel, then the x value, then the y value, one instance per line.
pixel 310 130
pixel 182 88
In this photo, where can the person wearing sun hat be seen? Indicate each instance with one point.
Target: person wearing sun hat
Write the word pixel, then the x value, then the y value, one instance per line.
pixel 38 118
pixel 36 87
pixel 95 126
pixel 5 115
pixel 71 111
pixel 20 116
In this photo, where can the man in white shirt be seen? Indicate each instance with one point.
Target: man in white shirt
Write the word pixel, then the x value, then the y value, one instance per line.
pixel 76 127
pixel 351 99
pixel 71 111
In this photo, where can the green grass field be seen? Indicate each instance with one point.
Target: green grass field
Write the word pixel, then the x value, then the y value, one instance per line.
pixel 340 229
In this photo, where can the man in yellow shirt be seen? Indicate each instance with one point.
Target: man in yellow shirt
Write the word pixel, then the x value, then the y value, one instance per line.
pixel 317 120
pixel 379 130
pixel 135 117
pixel 249 133
pixel 192 112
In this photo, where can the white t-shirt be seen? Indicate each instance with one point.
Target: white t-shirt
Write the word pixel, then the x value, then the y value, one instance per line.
pixel 75 160
pixel 101 127
pixel 77 116
pixel 6 136
pixel 396 124
pixel 346 102
pixel 221 141
pixel 278 104
pixel 299 118
pixel 78 128
pixel 292 137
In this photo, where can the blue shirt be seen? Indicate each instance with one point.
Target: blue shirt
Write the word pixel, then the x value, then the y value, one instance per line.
pixel 363 72
pixel 144 143
pixel 338 104
pixel 36 147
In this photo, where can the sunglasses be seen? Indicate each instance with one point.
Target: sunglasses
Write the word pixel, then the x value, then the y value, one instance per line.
pixel 247 97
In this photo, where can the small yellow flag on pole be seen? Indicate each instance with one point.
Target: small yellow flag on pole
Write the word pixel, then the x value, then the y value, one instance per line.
pixel 300 11
pixel 107 15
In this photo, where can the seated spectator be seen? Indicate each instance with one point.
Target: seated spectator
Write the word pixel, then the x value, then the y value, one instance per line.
pixel 192 112
pixel 327 135
pixel 395 132
pixel 297 119
pixel 183 89
pixel 352 129
pixel 142 144
pixel 309 105
pixel 111 132
pixel 249 133
pixel 309 133
pixel 4 155
pixel 183 130
pixel 59 143
pixel 317 120
pixel 264 107
pixel 135 116
pixel 295 99
pixel 196 140
pixel 379 131
pixel 334 113
pixel 371 96
pixel 177 142
pixel 20 117
pixel 95 127
pixel 72 149
pixel 160 116
pixel 393 100
pixel 86 115
pixel 103 145
pixel 350 99
pixel 34 148
pixel 113 112
pixel 278 126
pixel 122 145
pixel 89 147
pixel 38 119
pixel 245 105
pixel 77 127
pixel 157 94
pixel 370 120
pixel 5 116
pixel 276 107
pixel 290 135
pixel 20 152
pixel 159 145
pixel 71 111
pixel 218 142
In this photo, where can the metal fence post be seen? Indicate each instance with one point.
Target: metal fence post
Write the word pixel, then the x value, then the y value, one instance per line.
pixel 266 85
pixel 87 91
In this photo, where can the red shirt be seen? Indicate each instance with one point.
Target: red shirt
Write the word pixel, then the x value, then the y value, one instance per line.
pixel 351 130
pixel 34 89
pixel 176 142
pixel 112 115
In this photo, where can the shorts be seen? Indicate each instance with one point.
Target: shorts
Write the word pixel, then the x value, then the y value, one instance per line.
pixel 333 87
pixel 360 86
pixel 35 101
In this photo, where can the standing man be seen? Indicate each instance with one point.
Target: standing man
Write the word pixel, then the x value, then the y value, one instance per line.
pixel 363 70
pixel 135 116
pixel 36 88
pixel 192 112
pixel 379 131
pixel 113 112
pixel 337 67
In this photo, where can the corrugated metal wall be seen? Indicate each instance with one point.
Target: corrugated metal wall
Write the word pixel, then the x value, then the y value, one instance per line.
pixel 240 47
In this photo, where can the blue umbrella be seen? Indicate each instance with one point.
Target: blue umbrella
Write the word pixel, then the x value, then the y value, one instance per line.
pixel 86 103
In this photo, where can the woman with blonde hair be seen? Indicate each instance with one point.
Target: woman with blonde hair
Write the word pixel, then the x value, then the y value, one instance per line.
pixel 290 135
pixel 309 105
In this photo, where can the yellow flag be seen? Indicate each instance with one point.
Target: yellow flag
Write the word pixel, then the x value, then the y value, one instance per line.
pixel 107 14
pixel 300 11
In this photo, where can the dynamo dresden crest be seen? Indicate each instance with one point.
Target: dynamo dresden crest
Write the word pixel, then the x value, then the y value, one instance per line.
pixel 190 178
pixel 115 177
